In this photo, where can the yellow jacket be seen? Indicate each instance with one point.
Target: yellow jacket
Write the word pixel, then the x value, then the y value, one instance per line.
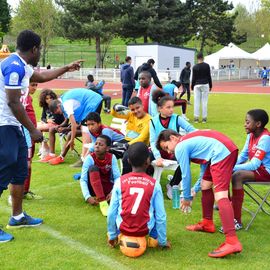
pixel 137 129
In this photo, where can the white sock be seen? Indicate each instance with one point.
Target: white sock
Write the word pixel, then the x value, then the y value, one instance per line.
pixel 18 217
pixel 52 154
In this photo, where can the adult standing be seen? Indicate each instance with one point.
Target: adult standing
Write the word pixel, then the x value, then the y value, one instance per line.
pixel 16 73
pixel 148 67
pixel 185 81
pixel 127 80
pixel 201 84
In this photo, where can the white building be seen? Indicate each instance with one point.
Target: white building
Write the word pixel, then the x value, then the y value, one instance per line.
pixel 166 56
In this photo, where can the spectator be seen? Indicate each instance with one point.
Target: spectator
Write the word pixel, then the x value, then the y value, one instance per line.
pixel 148 67
pixel 201 84
pixel 98 88
pixel 127 80
pixel 185 81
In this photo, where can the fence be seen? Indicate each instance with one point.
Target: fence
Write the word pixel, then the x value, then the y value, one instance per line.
pixel 113 75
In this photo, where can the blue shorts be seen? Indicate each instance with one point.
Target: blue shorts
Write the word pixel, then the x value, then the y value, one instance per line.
pixel 13 157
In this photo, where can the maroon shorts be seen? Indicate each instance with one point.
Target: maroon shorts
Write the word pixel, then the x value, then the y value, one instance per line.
pixel 220 173
pixel 261 175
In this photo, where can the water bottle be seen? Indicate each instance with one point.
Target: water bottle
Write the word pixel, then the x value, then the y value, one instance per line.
pixel 175 197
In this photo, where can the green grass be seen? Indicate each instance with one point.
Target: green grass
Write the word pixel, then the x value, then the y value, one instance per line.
pixel 74 231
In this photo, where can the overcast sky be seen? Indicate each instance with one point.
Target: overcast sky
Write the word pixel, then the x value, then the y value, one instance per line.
pixel 250 4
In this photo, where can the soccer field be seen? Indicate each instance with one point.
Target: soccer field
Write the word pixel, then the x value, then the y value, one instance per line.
pixel 73 235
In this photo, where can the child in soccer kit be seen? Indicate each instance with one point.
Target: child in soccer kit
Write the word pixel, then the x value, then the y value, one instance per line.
pixel 217 155
pixel 137 206
pixel 145 93
pixel 96 128
pixel 99 172
pixel 253 163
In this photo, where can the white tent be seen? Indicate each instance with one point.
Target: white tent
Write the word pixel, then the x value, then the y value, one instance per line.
pixel 263 56
pixel 232 56
pixel 263 53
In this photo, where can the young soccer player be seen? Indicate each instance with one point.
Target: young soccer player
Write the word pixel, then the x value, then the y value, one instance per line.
pixel 145 93
pixel 96 128
pixel 137 129
pixel 137 206
pixel 253 164
pixel 164 120
pixel 99 172
pixel 217 155
pixel 172 89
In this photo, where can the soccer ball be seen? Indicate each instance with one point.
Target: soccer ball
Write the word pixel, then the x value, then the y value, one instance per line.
pixel 132 246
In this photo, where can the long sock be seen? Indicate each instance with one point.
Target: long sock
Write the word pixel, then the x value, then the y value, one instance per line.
pixel 207 204
pixel 96 184
pixel 226 217
pixel 237 202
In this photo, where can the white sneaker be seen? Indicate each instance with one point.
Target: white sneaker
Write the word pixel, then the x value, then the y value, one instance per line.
pixel 169 191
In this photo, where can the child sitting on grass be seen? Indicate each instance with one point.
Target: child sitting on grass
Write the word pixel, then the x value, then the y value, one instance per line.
pixel 137 205
pixel 99 172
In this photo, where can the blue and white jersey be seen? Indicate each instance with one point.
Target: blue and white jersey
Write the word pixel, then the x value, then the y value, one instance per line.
pixel 80 102
pixel 170 89
pixel 15 74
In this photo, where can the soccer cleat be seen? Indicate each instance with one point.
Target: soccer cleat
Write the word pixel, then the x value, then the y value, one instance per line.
pixel 26 221
pixel 47 158
pixel 189 103
pixel 204 120
pixel 183 116
pixel 32 196
pixel 226 249
pixel 57 160
pixel 5 237
pixel 152 242
pixel 103 206
pixel 201 227
pixel 238 226
pixel 169 191
pixel 196 120
pixel 77 164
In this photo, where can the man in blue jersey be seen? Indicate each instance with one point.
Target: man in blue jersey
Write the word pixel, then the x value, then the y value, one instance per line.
pixel 15 74
pixel 217 155
pixel 75 104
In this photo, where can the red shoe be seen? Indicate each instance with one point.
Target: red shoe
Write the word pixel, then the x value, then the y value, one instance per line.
pixel 226 249
pixel 202 227
pixel 56 160
pixel 47 158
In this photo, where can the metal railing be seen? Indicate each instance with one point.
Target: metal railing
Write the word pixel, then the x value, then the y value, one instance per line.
pixel 113 75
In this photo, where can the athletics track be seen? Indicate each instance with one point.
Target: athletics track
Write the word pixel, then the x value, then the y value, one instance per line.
pixel 114 89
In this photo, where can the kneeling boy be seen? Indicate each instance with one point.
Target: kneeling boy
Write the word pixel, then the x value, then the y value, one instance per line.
pixel 99 172
pixel 137 206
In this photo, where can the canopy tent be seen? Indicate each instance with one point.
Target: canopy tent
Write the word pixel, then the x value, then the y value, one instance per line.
pixel 232 56
pixel 263 55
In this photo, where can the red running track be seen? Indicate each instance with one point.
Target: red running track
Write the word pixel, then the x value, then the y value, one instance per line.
pixel 114 89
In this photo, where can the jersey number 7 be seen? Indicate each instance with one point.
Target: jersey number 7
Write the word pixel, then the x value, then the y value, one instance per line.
pixel 139 192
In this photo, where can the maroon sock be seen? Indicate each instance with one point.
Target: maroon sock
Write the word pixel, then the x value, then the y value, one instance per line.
pixel 207 204
pixel 226 216
pixel 237 202
pixel 96 184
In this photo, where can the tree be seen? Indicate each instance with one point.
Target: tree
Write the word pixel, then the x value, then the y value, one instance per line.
pixel 165 21
pixel 5 18
pixel 39 16
pixel 92 19
pixel 212 22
